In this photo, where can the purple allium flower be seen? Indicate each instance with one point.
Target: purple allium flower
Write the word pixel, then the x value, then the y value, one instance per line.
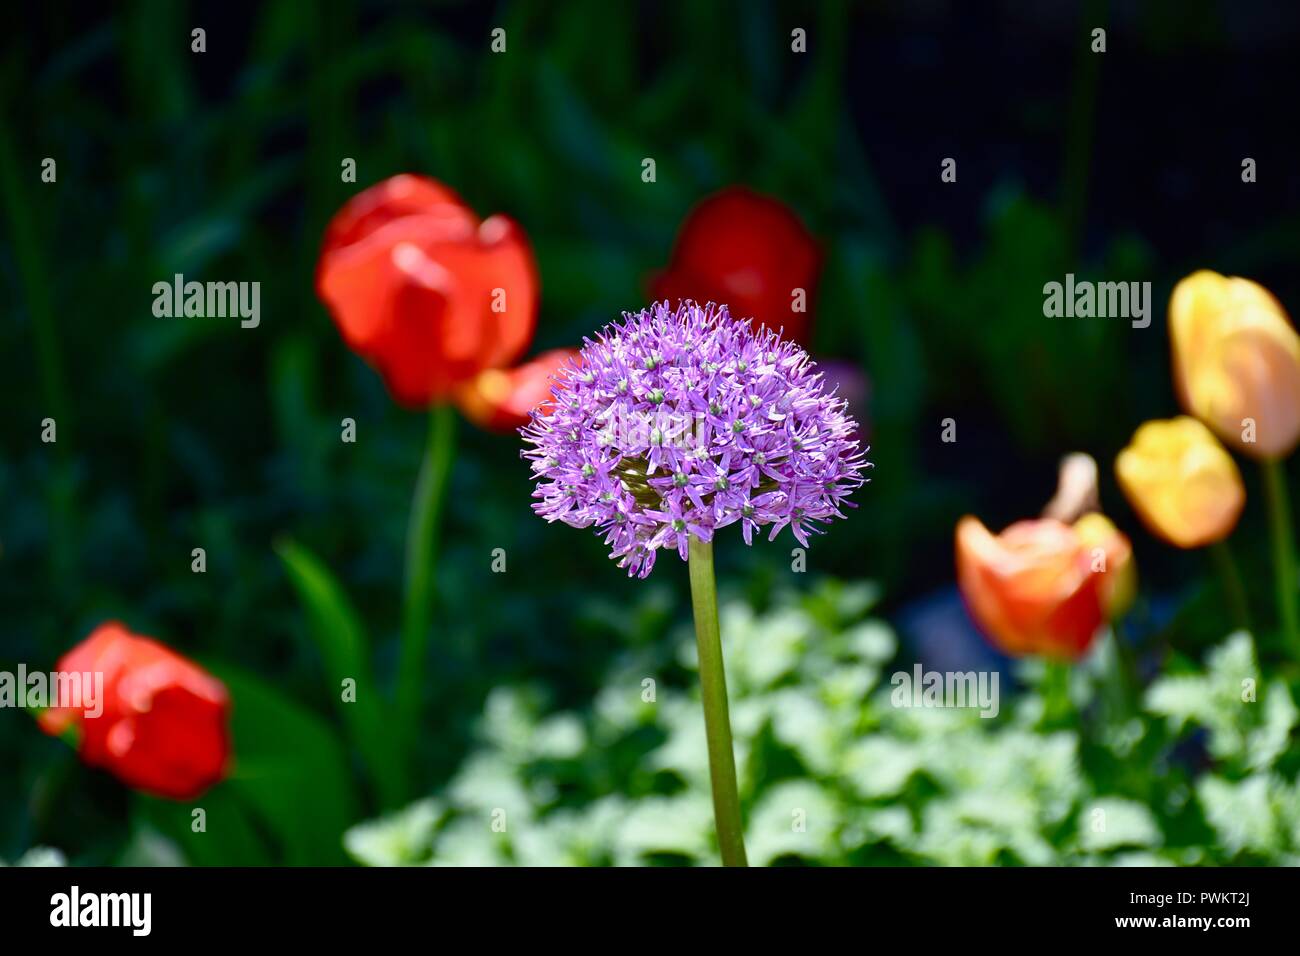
pixel 680 422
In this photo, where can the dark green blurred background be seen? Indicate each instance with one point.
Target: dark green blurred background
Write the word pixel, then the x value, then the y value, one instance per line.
pixel 175 434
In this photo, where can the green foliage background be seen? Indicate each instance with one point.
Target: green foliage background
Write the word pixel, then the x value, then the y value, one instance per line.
pixel 181 434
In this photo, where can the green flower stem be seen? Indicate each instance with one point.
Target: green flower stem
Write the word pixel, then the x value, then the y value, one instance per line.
pixel 1125 680
pixel 717 722
pixel 1279 515
pixel 422 532
pixel 1233 588
pixel 1058 708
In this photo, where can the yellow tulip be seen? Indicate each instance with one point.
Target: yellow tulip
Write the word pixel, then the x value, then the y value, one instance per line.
pixel 1181 482
pixel 1237 362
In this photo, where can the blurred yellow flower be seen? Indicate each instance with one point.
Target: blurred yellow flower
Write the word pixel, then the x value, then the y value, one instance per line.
pixel 1237 362
pixel 1112 553
pixel 1181 482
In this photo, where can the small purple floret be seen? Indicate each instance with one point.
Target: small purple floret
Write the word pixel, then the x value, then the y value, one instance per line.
pixel 680 422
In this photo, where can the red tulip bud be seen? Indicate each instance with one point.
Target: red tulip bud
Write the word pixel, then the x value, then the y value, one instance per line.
pixel 162 723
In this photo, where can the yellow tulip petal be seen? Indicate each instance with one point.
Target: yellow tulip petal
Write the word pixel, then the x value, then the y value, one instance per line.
pixel 1181 481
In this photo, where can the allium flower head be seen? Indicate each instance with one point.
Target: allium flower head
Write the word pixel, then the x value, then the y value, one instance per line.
pixel 680 422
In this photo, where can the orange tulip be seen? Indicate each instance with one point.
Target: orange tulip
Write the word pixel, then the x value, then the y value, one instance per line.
pixel 1182 483
pixel 1043 586
pixel 1237 362
pixel 1110 555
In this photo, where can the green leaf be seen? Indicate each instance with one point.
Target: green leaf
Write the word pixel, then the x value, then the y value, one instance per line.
pixel 795 818
pixel 470 841
pixel 344 649
pixel 1110 822
pixel 680 825
pixel 1251 730
pixel 290 773
pixel 802 722
pixel 40 856
pixel 880 766
pixel 399 839
pixel 872 641
pixel 148 847
pixel 1269 740
pixel 771 649
pixel 231 834
pixel 1243 814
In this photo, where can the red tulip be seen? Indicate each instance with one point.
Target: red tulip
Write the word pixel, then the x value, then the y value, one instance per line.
pixel 164 723
pixel 500 399
pixel 423 290
pixel 751 253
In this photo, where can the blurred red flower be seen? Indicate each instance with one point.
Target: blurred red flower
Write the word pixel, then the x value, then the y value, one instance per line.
pixel 164 723
pixel 751 253
pixel 500 399
pixel 423 290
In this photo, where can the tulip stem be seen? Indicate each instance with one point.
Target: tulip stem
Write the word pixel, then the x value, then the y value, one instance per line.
pixel 1123 683
pixel 1058 708
pixel 1233 588
pixel 422 534
pixel 1279 513
pixel 717 722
